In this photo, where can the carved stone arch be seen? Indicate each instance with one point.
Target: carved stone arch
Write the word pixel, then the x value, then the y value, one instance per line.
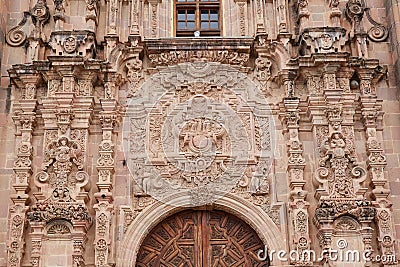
pixel 268 232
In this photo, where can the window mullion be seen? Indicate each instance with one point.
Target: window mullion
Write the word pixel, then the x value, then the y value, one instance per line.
pixel 197 15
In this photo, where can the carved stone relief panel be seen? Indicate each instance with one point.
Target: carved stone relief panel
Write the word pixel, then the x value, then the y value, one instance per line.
pixel 198 134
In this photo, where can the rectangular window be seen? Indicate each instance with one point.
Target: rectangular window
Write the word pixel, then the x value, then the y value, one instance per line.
pixel 198 15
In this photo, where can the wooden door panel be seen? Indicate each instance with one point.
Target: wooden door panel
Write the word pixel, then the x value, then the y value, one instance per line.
pixel 201 239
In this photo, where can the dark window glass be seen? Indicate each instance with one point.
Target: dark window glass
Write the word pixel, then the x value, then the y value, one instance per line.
pixel 197 15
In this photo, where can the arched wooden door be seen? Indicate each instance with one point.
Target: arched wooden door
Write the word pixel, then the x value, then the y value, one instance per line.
pixel 201 239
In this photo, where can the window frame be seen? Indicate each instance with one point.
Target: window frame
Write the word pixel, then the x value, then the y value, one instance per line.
pixel 197 6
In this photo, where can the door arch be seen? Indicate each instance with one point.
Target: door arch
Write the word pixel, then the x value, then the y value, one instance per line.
pixel 201 238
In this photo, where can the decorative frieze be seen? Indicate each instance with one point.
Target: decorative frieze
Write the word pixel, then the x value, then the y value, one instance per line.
pixel 322 40
pixel 176 57
pixel 73 44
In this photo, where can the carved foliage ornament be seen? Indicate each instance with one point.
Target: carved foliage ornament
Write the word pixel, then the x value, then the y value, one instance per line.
pixel 46 212
pixel 332 209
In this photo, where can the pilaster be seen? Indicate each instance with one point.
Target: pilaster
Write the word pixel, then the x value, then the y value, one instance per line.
pixel 27 81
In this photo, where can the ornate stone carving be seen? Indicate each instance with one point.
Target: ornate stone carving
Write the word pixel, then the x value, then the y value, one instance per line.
pixel 91 14
pixel 355 10
pixel 282 17
pixel 16 36
pixel 314 84
pixel 322 40
pixel 73 44
pixel 175 57
pixel 334 116
pixel 242 19
pixel 128 217
pixel 62 170
pixel 193 130
pixel 48 211
pixel 70 44
pixel 332 209
pixel 263 74
pixel 136 6
pixel 58 228
pixel 303 13
pixel 345 224
pixel 338 172
pixel 260 17
pixel 134 74
pixel 154 18
pixel 59 13
pixel 25 120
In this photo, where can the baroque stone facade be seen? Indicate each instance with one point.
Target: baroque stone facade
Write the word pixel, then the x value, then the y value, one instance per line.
pixel 124 145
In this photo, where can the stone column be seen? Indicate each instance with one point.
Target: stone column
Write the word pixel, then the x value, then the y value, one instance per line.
pixel 296 163
pixel 25 120
pixel 106 168
pixel 376 163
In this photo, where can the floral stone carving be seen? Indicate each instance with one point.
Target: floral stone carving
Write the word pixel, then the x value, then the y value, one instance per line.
pixel 338 173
